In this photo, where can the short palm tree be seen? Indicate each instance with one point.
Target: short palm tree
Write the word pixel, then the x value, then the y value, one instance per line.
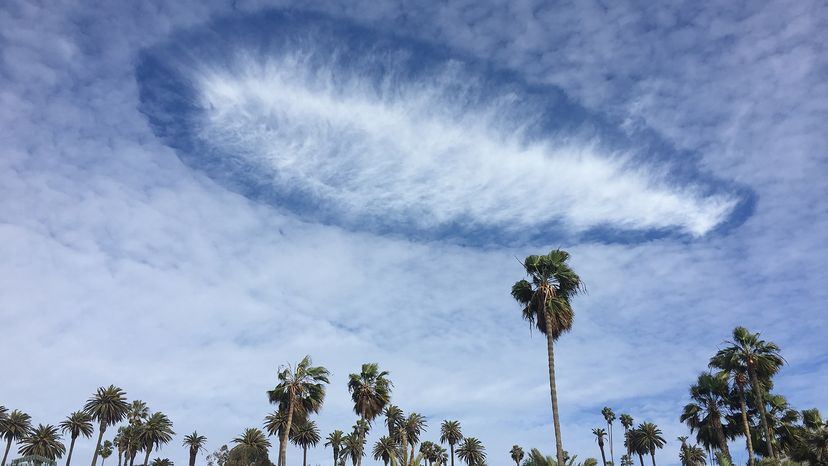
pixel 305 435
pixel 138 412
pixel 393 418
pixel 14 427
pixel 472 452
pixel 195 443
pixel 546 303
pixel 691 455
pixel 599 437
pixel 106 451
pixel 409 434
pixel 517 454
pixel 707 409
pixel 155 432
pixel 371 392
pixel 335 440
pixel 300 391
pixel 108 407
pixel 609 416
pixel 253 438
pixel 76 424
pixel 161 462
pixel 353 447
pixel 627 422
pixel 384 449
pixel 762 359
pixel 43 440
pixel 450 433
pixel 275 423
pixel 648 437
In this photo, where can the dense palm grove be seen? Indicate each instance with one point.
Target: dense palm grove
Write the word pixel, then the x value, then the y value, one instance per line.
pixel 732 399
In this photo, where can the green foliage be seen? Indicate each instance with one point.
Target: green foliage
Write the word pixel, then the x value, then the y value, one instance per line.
pixel 253 439
pixel 162 462
pixel 244 454
pixel 472 452
pixel 43 440
pixel 77 424
pixel 108 406
pixel 370 391
pixel 15 426
pixel 219 457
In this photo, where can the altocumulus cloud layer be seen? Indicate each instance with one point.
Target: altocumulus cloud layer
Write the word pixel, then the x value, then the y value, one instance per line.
pixel 343 125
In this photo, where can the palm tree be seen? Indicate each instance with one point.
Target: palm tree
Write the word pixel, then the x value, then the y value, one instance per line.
pixel 253 438
pixel 384 449
pixel 196 443
pixel 13 428
pixel 353 446
pixel 691 455
pixel 108 407
pixel 627 422
pixel 546 303
pixel 131 440
pixel 138 412
pixel 731 368
pixel 609 416
pixel 428 451
pixel 305 435
pixel 648 437
pixel 335 440
pixel 472 451
pixel 517 454
pixel 599 437
pixel 43 440
pixel 630 441
pixel 161 462
pixel 393 418
pixel 300 391
pixel 371 392
pixel 156 431
pixel 409 432
pixel 450 433
pixel 709 397
pixel 441 455
pixel 76 424
pixel 762 359
pixel 106 451
pixel 3 412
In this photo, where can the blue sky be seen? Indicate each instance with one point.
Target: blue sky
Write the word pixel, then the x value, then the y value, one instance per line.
pixel 354 180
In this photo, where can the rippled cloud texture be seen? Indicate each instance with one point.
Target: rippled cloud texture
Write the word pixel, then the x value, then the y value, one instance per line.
pixel 362 129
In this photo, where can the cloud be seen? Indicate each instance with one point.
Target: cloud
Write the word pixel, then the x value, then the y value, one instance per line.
pixel 351 127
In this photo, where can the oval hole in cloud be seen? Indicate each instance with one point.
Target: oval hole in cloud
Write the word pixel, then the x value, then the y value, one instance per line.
pixel 348 126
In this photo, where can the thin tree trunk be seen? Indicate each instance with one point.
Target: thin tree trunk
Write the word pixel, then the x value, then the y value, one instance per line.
pixel 553 392
pixel 603 456
pixel 283 439
pixel 6 454
pixel 361 439
pixel 98 446
pixel 745 423
pixel 120 456
pixel 641 459
pixel 132 456
pixel 71 449
pixel 305 456
pixel 717 426
pixel 451 447
pixel 759 401
pixel 103 460
pixel 652 453
pixel 193 456
pixel 612 454
pixel 336 456
pixel 146 458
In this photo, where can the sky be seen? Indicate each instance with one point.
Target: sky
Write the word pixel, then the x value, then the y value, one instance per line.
pixel 195 193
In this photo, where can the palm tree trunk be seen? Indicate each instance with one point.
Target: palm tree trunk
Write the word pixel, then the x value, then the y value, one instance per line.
pixel 761 403
pixel 305 456
pixel 745 423
pixel 652 453
pixel 71 449
pixel 192 457
pixel 361 439
pixel 612 455
pixel 146 458
pixel 451 447
pixel 641 459
pixel 553 392
pixel 103 460
pixel 717 427
pixel 283 439
pixel 6 454
pixel 132 456
pixel 98 445
pixel 603 456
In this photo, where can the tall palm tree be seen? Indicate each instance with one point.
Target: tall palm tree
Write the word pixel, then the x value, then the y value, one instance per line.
pixel 13 428
pixel 195 443
pixel 428 451
pixel 108 407
pixel 393 418
pixel 106 451
pixel 709 397
pixel 472 452
pixel 335 440
pixel 384 449
pixel 599 437
pixel 732 368
pixel 131 439
pixel 371 392
pixel 450 433
pixel 305 435
pixel 76 424
pixel 156 431
pixel 253 438
pixel 301 391
pixel 409 431
pixel 648 438
pixel 517 454
pixel 762 359
pixel 138 412
pixel 43 440
pixel 609 416
pixel 627 422
pixel 630 441
pixel 353 446
pixel 546 303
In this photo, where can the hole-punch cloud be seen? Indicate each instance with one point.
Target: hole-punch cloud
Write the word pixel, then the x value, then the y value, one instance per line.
pixel 347 126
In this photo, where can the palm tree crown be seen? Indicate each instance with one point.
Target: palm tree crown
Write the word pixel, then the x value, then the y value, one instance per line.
pixel 707 411
pixel 155 432
pixel 335 440
pixel 43 440
pixel 305 435
pixel 14 427
pixel 76 424
pixel 195 443
pixel 108 407
pixel 253 438
pixel 647 437
pixel 384 449
pixel 472 452
pixel 370 391
pixel 516 453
